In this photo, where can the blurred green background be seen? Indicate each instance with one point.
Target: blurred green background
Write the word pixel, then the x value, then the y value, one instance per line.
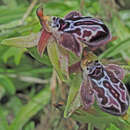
pixel 28 85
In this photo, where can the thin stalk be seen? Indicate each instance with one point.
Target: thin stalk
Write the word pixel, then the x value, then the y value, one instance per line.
pixel 90 126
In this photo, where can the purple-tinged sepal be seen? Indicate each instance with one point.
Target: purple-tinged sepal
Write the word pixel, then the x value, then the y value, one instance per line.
pixel 69 42
pixel 86 93
pixel 91 31
pixel 72 15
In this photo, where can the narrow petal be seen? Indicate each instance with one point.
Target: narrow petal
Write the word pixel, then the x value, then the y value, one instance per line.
pixel 40 15
pixel 43 41
pixel 86 92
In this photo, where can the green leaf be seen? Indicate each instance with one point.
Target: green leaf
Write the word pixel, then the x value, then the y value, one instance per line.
pixel 73 101
pixel 23 41
pixel 54 55
pixel 64 61
pixel 120 47
pixel 112 127
pixel 90 126
pixel 116 49
pixel 30 126
pixel 128 112
pixel 14 101
pixel 99 119
pixel 2 91
pixel 11 4
pixel 7 84
pixel 121 30
pixel 44 59
pixel 11 14
pixel 3 120
pixel 15 52
pixel 57 6
pixel 27 111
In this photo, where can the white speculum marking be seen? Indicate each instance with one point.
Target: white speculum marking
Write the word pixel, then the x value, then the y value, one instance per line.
pixel 108 93
pixel 94 29
pixel 83 28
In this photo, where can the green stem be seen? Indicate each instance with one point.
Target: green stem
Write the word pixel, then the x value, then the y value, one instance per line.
pixel 90 126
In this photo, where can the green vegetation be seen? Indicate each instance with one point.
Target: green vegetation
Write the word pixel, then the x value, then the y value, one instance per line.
pixel 33 87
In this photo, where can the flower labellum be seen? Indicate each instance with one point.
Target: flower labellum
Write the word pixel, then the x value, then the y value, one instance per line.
pixel 71 30
pixel 104 83
pixel 91 31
